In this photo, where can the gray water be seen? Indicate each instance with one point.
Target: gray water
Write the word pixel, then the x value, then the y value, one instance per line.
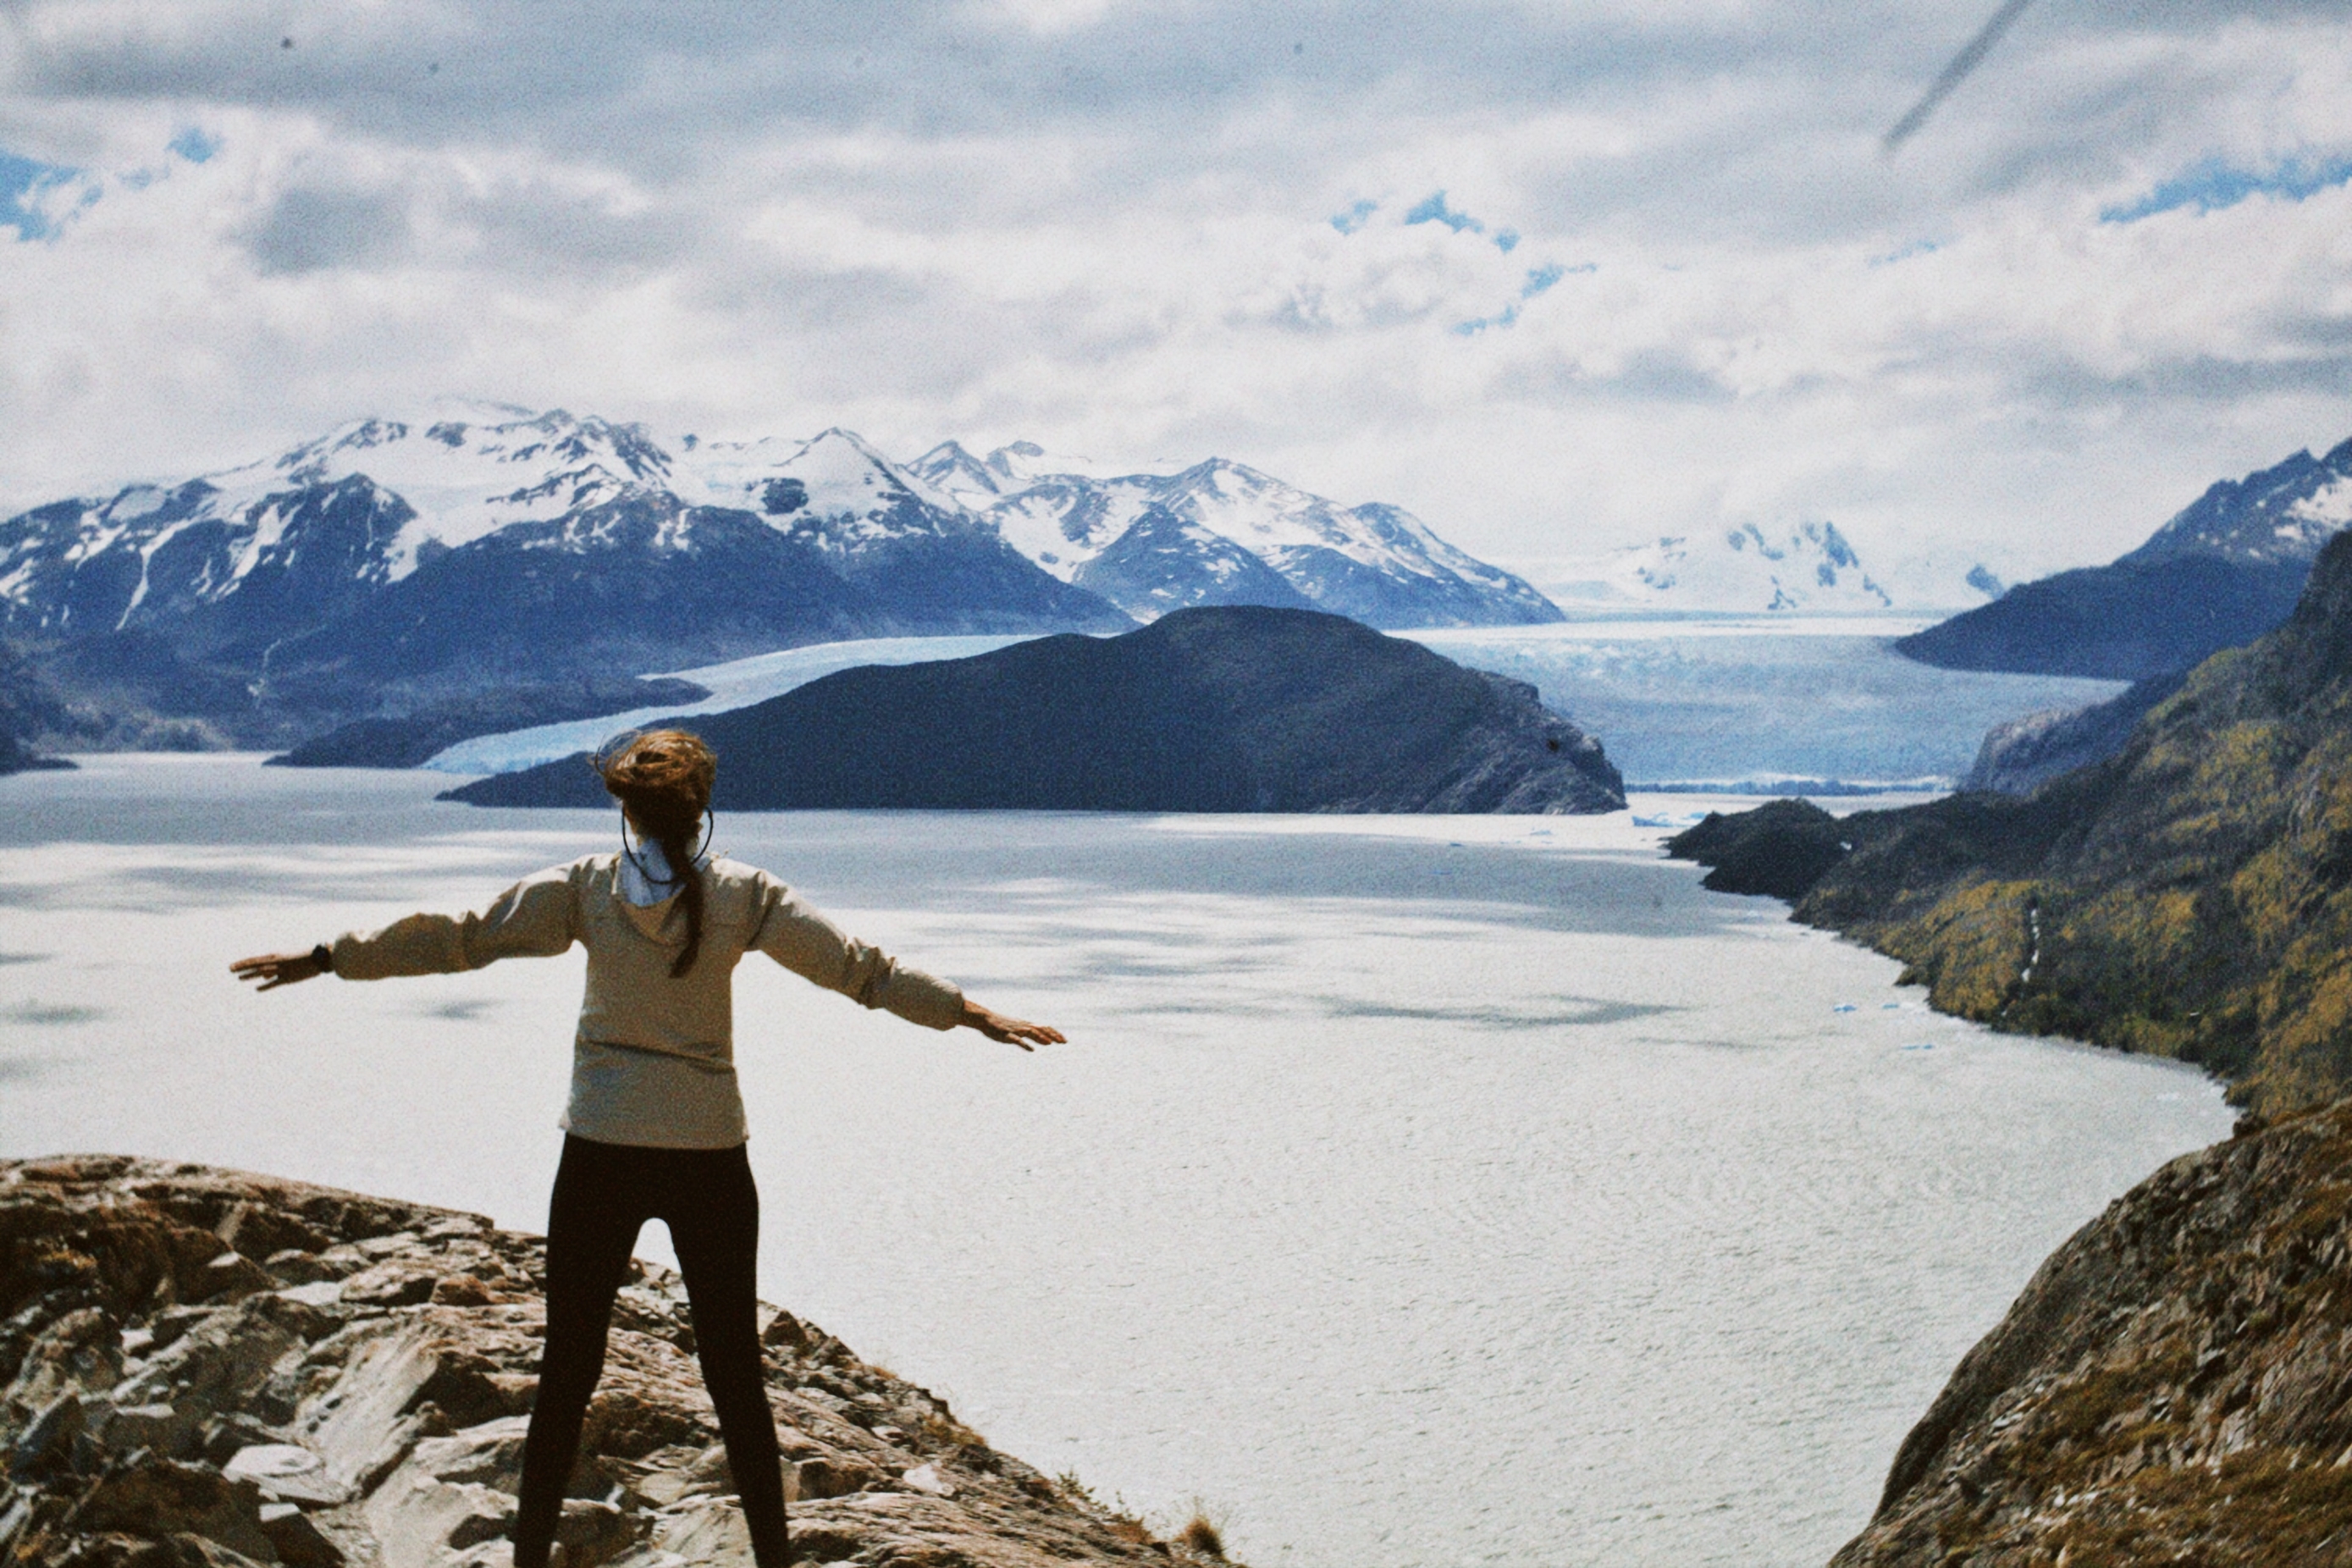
pixel 1413 1192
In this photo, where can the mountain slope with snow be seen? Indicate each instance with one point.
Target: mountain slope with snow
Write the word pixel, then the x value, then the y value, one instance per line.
pixel 399 560
pixel 2222 572
pixel 1808 568
pixel 2278 514
pixel 1221 534
pixel 392 557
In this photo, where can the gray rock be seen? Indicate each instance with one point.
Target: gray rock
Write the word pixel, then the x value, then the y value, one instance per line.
pixel 2019 756
pixel 157 1497
pixel 417 1521
pixel 161 1428
pixel 360 1423
pixel 231 1277
pixel 79 1350
pixel 288 1473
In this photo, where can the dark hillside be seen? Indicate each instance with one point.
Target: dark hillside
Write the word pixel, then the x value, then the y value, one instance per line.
pixel 2127 621
pixel 2221 573
pixel 1223 708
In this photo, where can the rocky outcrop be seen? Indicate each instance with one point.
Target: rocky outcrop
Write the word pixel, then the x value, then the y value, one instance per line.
pixel 205 1369
pixel 1779 849
pixel 15 757
pixel 29 706
pixel 2020 756
pixel 1236 707
pixel 2170 1388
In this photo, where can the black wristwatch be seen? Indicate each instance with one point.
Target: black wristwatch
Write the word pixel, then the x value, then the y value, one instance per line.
pixel 324 958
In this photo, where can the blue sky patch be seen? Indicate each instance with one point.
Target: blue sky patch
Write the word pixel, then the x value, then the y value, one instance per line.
pixel 1355 217
pixel 195 146
pixel 1507 240
pixel 1542 278
pixel 1903 253
pixel 1471 328
pixel 1538 279
pixel 22 181
pixel 1435 210
pixel 2213 184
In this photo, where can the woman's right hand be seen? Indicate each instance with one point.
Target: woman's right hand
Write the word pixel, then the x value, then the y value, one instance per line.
pixel 1011 1031
pixel 276 969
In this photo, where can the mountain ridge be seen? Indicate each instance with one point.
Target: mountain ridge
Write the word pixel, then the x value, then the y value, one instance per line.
pixel 2218 573
pixel 395 562
pixel 1210 520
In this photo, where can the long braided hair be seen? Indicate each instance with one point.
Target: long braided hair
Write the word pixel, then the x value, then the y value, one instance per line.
pixel 663 779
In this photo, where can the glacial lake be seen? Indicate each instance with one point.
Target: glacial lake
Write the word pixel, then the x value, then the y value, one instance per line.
pixel 1415 1192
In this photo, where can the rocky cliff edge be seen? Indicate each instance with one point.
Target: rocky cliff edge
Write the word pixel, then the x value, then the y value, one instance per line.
pixel 2174 1386
pixel 207 1369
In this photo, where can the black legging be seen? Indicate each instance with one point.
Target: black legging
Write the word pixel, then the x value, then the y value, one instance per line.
pixel 604 1192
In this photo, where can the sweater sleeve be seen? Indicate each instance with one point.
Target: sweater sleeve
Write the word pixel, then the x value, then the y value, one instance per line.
pixel 536 918
pixel 814 948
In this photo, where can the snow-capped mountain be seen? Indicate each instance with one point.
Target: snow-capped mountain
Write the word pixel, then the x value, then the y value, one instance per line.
pixel 1809 567
pixel 1221 534
pixel 471 550
pixel 2224 570
pixel 2278 514
pixel 398 560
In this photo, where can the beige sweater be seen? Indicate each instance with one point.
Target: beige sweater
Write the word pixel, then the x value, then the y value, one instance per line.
pixel 653 1063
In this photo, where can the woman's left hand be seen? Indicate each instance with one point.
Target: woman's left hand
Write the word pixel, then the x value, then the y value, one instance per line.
pixel 276 969
pixel 1011 1031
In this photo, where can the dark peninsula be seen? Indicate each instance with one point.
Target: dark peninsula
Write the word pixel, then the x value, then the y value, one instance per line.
pixel 1214 709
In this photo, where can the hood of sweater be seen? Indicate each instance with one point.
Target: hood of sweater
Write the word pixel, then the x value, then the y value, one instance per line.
pixel 651 895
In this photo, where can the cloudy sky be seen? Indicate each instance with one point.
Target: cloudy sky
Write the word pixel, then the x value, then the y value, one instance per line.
pixel 1557 275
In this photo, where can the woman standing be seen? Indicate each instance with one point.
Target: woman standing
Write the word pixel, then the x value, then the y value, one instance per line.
pixel 654 1129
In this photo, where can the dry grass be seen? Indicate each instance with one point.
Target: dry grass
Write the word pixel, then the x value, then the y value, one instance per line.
pixel 1123 1521
pixel 1203 1533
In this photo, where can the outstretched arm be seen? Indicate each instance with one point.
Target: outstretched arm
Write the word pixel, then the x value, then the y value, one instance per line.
pixel 812 947
pixel 531 918
pixel 1011 1031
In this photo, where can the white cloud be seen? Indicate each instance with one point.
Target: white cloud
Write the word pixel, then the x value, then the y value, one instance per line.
pixel 1109 228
